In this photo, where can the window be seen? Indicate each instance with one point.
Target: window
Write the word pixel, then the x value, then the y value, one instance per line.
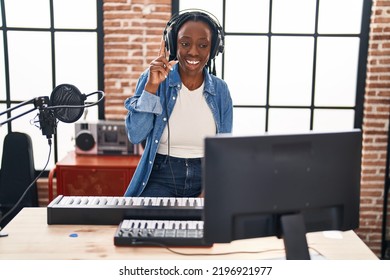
pixel 292 64
pixel 59 42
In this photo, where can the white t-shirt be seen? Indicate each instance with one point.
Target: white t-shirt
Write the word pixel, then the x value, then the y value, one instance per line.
pixel 190 122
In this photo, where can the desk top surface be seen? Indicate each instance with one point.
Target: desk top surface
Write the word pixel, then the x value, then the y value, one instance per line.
pixel 30 237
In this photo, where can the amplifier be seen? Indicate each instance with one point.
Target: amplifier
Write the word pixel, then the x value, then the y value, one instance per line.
pixel 103 138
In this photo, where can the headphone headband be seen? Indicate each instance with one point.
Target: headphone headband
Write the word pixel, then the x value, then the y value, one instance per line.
pixel 178 19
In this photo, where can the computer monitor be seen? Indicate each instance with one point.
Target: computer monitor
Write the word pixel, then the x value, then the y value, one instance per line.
pixel 282 185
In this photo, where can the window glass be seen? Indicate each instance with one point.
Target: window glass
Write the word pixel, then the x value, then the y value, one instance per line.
pixel 326 119
pixel 213 7
pixel 336 73
pixel 75 14
pixel 293 16
pixel 248 120
pixel 255 19
pixel 29 64
pixel 76 64
pixel 28 13
pixel 286 70
pixel 289 120
pixel 340 16
pixel 291 70
pixel 246 73
pixel 76 59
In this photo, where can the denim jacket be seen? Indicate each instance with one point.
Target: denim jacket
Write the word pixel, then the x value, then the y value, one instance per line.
pixel 147 117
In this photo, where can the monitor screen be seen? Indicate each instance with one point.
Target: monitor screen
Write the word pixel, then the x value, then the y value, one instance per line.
pixel 254 184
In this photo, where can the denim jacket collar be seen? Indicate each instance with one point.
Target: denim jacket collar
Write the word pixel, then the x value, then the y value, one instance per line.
pixel 174 80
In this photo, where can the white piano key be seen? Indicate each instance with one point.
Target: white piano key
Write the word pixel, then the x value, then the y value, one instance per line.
pixel 64 200
pixel 169 225
pixel 182 201
pixel 89 199
pixel 137 201
pixel 145 223
pixel 109 200
pixel 177 224
pixel 125 224
pixel 164 201
pixel 71 200
pixel 102 201
pixel 199 224
pixel 160 224
pixel 200 201
pixel 171 201
pixel 191 224
pixel 112 201
pixel 84 200
pixel 191 201
pixel 94 201
pixel 154 225
pixel 121 201
pixel 126 200
pixel 77 200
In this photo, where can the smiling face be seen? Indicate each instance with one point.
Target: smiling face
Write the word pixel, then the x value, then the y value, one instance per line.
pixel 193 48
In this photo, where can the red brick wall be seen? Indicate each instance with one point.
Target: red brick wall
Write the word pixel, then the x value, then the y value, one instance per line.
pixel 375 126
pixel 133 30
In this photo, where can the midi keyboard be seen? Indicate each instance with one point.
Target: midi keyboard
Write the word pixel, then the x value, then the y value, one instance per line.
pixel 102 210
pixel 160 233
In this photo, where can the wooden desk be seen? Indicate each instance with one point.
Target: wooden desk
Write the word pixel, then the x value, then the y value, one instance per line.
pixel 93 175
pixel 31 238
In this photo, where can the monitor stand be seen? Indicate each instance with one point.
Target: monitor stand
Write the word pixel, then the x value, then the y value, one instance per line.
pixel 294 237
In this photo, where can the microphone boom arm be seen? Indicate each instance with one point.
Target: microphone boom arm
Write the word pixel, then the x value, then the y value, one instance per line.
pixel 18 106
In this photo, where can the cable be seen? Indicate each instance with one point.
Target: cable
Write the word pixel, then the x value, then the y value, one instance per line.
pixel 26 191
pixel 79 106
pixel 169 146
pixel 201 254
pixel 215 254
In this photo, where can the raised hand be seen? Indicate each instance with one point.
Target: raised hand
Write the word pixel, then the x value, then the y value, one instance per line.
pixel 159 69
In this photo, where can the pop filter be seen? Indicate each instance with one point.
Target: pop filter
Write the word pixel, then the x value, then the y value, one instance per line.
pixel 63 97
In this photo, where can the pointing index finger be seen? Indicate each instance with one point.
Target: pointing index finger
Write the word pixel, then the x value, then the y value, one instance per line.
pixel 162 50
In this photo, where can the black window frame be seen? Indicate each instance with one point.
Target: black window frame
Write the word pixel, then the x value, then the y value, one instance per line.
pixel 100 59
pixel 362 61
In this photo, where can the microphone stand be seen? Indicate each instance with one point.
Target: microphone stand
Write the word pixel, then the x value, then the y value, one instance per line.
pixel 47 120
pixel 48 125
pixel 13 108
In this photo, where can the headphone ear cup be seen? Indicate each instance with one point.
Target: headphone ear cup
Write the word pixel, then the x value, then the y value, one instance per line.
pixel 218 47
pixel 214 51
pixel 170 44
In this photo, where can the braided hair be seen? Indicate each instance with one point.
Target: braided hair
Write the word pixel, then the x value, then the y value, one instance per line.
pixel 177 22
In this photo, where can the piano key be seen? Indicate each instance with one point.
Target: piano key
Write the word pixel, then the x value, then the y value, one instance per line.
pixel 112 210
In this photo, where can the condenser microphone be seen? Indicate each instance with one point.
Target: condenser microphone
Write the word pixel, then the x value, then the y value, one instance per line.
pixel 47 120
pixel 66 104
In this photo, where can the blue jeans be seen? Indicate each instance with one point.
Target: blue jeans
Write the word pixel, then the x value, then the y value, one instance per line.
pixel 174 177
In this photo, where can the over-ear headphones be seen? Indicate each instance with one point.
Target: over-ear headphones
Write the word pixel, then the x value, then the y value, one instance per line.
pixel 177 20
